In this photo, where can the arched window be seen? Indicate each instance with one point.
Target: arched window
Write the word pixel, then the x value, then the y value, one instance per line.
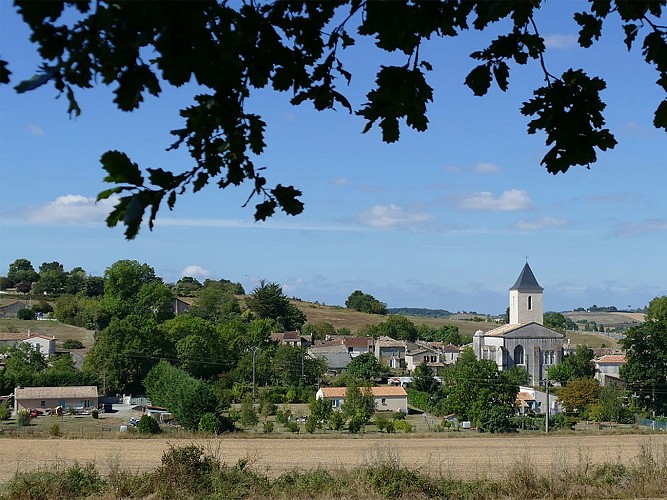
pixel 518 355
pixel 530 303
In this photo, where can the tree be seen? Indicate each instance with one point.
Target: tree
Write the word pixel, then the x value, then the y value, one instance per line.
pixel 579 395
pixel 578 364
pixel 248 417
pixel 216 302
pixel 365 367
pixel 320 411
pixel 25 314
pixel 22 270
pixel 364 302
pixel 557 321
pixel 268 301
pixel 645 369
pixel 358 407
pixel 187 286
pixel 657 309
pixel 397 327
pixel 299 47
pixel 187 398
pixel 423 380
pixel 148 425
pixel 51 278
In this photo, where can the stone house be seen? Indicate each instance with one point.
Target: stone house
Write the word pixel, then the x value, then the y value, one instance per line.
pixel 76 398
pixel 390 352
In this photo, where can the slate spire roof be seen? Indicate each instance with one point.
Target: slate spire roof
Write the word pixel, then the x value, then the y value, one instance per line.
pixel 526 281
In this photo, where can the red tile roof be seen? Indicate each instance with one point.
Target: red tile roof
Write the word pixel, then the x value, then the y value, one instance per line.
pixel 612 359
pixel 339 392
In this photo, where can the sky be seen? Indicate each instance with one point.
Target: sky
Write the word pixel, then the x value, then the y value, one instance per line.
pixel 442 219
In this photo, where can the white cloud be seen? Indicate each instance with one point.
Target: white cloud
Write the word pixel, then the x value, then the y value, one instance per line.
pixel 339 181
pixel 509 201
pixel 70 209
pixel 648 226
pixel 383 216
pixel 540 223
pixel 35 130
pixel 195 271
pixel 560 41
pixel 486 168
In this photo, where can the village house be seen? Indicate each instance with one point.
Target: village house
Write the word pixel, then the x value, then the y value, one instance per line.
pixel 10 309
pixel 416 354
pixel 525 341
pixel 390 352
pixel 41 343
pixel 336 356
pixel 295 339
pixel 386 398
pixel 76 398
pixel 607 368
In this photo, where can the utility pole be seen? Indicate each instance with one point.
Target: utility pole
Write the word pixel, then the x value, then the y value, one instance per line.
pixel 546 421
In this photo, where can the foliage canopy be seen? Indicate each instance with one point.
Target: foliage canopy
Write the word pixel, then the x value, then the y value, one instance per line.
pixel 298 47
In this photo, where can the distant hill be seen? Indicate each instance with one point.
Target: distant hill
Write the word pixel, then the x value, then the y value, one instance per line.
pixel 616 321
pixel 420 312
pixel 355 321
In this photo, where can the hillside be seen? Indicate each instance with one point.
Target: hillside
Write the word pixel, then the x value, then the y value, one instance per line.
pixel 341 317
pixel 616 320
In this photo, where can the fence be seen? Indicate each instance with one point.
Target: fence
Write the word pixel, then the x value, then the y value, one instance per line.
pixel 655 425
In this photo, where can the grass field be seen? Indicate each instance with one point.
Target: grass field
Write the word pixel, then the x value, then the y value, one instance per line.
pixel 464 456
pixel 341 317
pixel 59 330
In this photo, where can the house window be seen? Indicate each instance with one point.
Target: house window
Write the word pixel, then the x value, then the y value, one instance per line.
pixel 42 404
pixel 87 403
pixel 518 355
pixel 426 358
pixel 530 303
pixel 384 402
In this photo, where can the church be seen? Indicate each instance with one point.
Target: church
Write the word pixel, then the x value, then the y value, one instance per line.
pixel 524 341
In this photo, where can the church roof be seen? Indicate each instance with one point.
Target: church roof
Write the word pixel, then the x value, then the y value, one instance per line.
pixel 526 281
pixel 523 330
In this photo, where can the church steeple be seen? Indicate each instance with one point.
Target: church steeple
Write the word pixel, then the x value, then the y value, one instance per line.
pixel 526 299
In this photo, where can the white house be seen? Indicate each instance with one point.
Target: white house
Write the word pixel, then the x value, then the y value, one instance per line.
pixel 524 341
pixel 77 398
pixel 607 368
pixel 386 398
pixel 41 343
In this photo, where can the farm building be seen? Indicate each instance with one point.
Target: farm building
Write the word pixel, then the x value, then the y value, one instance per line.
pixel 386 398
pixel 524 341
pixel 76 398
pixel 9 309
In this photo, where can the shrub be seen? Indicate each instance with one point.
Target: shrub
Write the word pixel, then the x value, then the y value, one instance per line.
pixel 311 425
pixel 187 467
pixel 336 422
pixel 292 427
pixel 5 411
pixel 381 423
pixel 210 422
pixel 73 344
pixel 399 415
pixel 55 430
pixel 148 425
pixel 267 427
pixel 95 413
pixel 402 425
pixel 25 314
pixel 23 418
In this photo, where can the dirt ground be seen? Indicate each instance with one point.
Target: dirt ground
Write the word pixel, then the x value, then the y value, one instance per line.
pixel 467 456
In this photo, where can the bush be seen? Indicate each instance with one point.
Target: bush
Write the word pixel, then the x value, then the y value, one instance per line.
pixel 148 425
pixel 25 314
pixel 399 415
pixel 5 411
pixel 95 413
pixel 292 427
pixel 55 430
pixel 402 425
pixel 72 344
pixel 381 423
pixel 267 427
pixel 23 418
pixel 210 422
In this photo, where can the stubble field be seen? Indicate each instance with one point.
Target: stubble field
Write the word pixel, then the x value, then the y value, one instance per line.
pixel 469 456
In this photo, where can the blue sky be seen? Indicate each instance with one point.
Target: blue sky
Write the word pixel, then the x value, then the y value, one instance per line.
pixel 441 219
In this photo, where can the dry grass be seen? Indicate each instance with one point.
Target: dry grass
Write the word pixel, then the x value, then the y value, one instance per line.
pixel 341 317
pixel 59 330
pixel 465 456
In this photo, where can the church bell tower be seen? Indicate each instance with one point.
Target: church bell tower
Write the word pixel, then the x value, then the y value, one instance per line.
pixel 526 299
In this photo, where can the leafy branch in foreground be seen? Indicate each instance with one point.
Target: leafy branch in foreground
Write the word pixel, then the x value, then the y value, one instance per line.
pixel 296 47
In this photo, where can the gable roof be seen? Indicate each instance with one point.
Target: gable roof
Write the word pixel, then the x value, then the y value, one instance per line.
pixel 526 281
pixel 358 341
pixel 524 330
pixel 386 391
pixel 79 391
pixel 612 359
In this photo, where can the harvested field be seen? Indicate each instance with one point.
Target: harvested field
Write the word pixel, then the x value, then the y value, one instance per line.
pixel 465 456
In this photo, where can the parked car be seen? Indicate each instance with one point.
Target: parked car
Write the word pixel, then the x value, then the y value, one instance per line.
pixel 34 413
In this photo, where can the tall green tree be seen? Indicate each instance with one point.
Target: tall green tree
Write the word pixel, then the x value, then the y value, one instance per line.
pixel 657 309
pixel 365 367
pixel 301 47
pixel 22 270
pixel 268 301
pixel 645 369
pixel 423 380
pixel 186 397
